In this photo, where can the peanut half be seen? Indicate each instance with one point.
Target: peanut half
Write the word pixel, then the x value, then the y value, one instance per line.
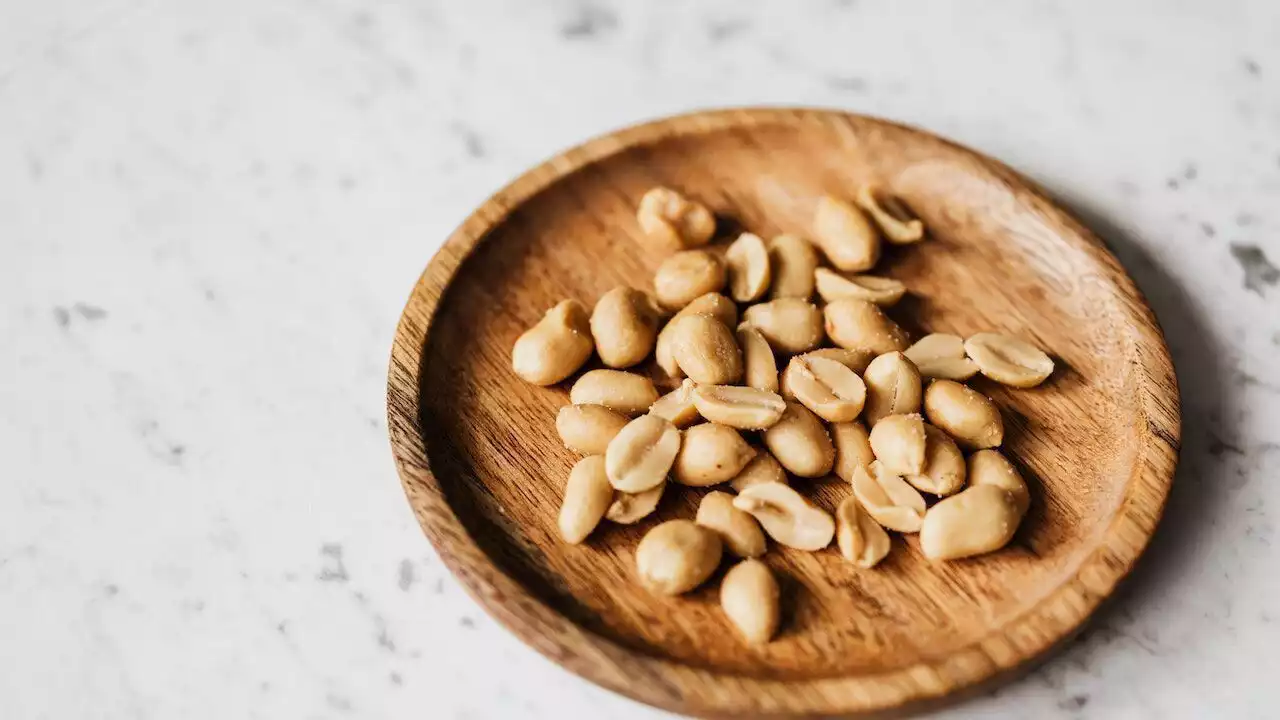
pixel 845 235
pixel 893 387
pixel 989 467
pixel 790 325
pixel 860 538
pixel 677 556
pixel 1009 360
pixel 640 456
pixel 706 350
pixel 944 468
pixel 787 516
pixel 964 413
pixel 713 304
pixel 760 369
pixel 834 286
pixel 854 323
pixel 624 325
pixel 831 390
pixel 740 407
pixel 628 508
pixel 710 454
pixel 897 225
pixel 800 442
pixel 793 260
pixel 672 219
pixel 853 448
pixel 899 444
pixel 587 496
pixel 763 468
pixel 677 406
pixel 888 499
pixel 587 429
pixel 739 531
pixel 939 355
pixel 749 597
pixel 624 392
pixel 749 268
pixel 978 520
pixel 556 347
pixel 684 276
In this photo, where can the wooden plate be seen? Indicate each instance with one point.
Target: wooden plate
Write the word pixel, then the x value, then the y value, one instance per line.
pixel 483 468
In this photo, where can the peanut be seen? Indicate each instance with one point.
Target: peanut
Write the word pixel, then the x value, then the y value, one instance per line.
pixel 713 304
pixel 944 469
pixel 891 216
pixel 677 406
pixel 860 538
pixel 749 596
pixel 763 468
pixel 587 495
pixel 965 414
pixel 854 323
pixel 833 286
pixel 641 454
pixel 624 325
pixel 1009 360
pixel 786 516
pixel 739 532
pixel 975 521
pixel 749 269
pixel 853 448
pixel 684 276
pixel 899 443
pixel 989 467
pixel 710 454
pixel 940 355
pixel 793 260
pixel 556 347
pixel 677 556
pixel 831 390
pixel 668 217
pixel 888 499
pixel 790 325
pixel 739 407
pixel 624 392
pixel 587 429
pixel 800 442
pixel 760 370
pixel 893 387
pixel 845 235
pixel 705 350
pixel 628 508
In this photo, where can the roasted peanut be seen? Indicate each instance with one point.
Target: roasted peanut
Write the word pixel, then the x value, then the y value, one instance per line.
pixel 833 286
pixel 853 448
pixel 749 269
pixel 587 429
pixel 705 350
pixel 684 276
pixel 899 444
pixel 713 304
pixel 790 325
pixel 845 235
pixel 624 325
pixel 800 442
pixel 793 260
pixel 672 219
pixel 854 323
pixel 625 392
pixel 944 469
pixel 587 495
pixel 763 468
pixel 860 538
pixel 749 596
pixel 628 508
pixel 831 390
pixel 1009 360
pixel 640 456
pixel 965 414
pixel 677 406
pixel 740 407
pixel 556 347
pixel 855 360
pixel 786 516
pixel 888 499
pixel 739 531
pixel 940 355
pixel 989 467
pixel 978 520
pixel 677 556
pixel 893 387
pixel 898 227
pixel 760 370
pixel 710 454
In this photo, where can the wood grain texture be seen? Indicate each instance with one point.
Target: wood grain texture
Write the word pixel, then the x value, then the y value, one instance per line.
pixel 484 470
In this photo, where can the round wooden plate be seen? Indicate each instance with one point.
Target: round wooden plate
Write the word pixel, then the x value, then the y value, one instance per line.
pixel 482 466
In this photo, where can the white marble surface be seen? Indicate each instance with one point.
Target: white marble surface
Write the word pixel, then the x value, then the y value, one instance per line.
pixel 211 213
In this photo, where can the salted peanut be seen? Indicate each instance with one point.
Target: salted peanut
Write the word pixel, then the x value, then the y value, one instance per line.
pixel 587 496
pixel 989 467
pixel 739 531
pixel 853 448
pixel 832 391
pixel 860 538
pixel 978 520
pixel 629 508
pixel 793 260
pixel 855 359
pixel 672 219
pixel 965 414
pixel 677 406
pixel 625 392
pixel 888 499
pixel 640 456
pixel 899 443
pixel 713 304
pixel 786 516
pixel 834 286
pixel 710 454
pixel 944 469
pixel 760 369
pixel 749 597
pixel 939 355
pixel 893 387
pixel 790 325
pixel 895 222
pixel 677 556
pixel 749 269
pixel 1009 360
pixel 624 326
pixel 800 442
pixel 587 429
pixel 763 468
pixel 556 347
pixel 744 408
pixel 845 235
pixel 854 323
pixel 684 276
pixel 705 350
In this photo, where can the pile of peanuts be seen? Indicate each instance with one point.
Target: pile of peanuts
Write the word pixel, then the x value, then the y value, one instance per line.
pixel 853 410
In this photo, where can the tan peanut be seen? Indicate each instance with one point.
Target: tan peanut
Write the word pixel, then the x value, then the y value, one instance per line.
pixel 989 467
pixel 747 260
pixel 787 516
pixel 860 538
pixel 800 442
pixel 834 286
pixel 1009 360
pixel 587 496
pixel 624 326
pixel 677 556
pixel 893 387
pixel 673 220
pixel 629 508
pixel 790 325
pixel 677 406
pixel 763 468
pixel 713 304
pixel 739 407
pixel 831 390
pixel 706 350
pixel 892 217
pixel 793 260
pixel 710 454
pixel 888 499
pixel 624 392
pixel 899 444
pixel 749 597
pixel 760 369
pixel 854 323
pixel 556 347
pixel 684 276
pixel 587 429
pixel 978 520
pixel 640 456
pixel 739 531
pixel 939 355
pixel 965 414
pixel 853 448
pixel 944 468
pixel 855 360
pixel 845 235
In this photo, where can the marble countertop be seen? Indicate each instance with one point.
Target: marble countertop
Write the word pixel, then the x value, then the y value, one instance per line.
pixel 211 214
